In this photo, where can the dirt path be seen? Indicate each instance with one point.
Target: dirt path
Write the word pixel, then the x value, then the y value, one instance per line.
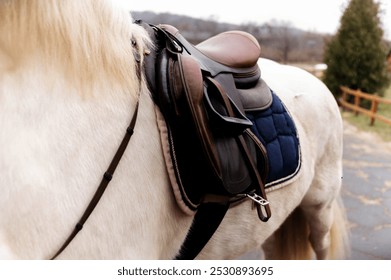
pixel 367 193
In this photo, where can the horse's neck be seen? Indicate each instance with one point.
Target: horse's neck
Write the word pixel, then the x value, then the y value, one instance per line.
pixel 56 146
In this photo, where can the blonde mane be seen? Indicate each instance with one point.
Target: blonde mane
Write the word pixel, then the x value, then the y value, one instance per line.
pixel 89 40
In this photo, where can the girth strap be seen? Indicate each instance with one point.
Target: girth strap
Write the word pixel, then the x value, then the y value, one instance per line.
pixel 206 221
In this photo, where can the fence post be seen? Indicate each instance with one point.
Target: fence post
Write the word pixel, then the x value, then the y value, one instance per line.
pixel 357 102
pixel 373 111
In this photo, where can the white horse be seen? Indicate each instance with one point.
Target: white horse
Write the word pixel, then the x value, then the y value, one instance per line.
pixel 68 88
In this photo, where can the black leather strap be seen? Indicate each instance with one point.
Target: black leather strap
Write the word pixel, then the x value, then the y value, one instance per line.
pixel 108 175
pixel 206 221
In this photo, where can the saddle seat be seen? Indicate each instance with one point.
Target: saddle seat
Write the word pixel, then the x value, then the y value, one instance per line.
pixel 235 53
pixel 235 49
pixel 231 52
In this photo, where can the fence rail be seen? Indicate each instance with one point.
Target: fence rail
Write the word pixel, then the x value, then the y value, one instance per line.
pixel 358 95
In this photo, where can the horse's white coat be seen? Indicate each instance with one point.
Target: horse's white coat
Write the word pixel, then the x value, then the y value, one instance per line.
pixel 56 141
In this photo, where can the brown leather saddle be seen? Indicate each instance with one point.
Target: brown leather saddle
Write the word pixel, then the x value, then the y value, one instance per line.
pixel 203 92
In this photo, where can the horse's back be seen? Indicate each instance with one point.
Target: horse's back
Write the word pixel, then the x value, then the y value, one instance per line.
pixel 298 88
pixel 319 125
pixel 308 100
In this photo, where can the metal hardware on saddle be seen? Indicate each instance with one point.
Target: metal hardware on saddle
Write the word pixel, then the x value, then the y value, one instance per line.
pixel 257 199
pixel 201 103
pixel 262 206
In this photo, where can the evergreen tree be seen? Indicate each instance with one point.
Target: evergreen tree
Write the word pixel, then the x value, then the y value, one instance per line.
pixel 356 55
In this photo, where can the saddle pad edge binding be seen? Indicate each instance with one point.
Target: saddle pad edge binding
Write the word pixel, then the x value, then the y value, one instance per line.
pixel 282 182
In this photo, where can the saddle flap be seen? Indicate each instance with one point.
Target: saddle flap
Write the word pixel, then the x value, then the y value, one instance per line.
pixel 219 124
pixel 193 87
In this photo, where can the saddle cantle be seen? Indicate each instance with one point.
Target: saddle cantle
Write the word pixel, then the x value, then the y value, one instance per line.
pixel 202 92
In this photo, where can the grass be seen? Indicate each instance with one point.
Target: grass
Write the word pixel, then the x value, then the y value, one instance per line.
pixel 380 128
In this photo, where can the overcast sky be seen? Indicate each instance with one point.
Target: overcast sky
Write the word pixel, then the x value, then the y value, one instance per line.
pixel 313 15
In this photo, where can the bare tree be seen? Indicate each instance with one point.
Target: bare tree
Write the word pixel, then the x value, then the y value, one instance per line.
pixel 283 37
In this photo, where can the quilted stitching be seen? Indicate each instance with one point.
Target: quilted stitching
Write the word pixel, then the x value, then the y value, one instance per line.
pixel 276 130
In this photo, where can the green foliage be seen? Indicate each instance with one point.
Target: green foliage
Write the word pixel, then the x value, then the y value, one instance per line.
pixel 356 55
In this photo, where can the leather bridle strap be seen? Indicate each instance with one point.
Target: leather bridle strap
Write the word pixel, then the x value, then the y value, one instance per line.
pixel 108 175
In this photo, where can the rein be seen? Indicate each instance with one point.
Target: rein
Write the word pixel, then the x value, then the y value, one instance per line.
pixel 108 175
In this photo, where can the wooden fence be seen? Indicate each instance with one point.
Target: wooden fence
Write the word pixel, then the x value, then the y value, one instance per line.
pixel 358 95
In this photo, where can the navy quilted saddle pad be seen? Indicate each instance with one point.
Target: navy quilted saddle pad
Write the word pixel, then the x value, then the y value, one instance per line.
pixel 276 130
